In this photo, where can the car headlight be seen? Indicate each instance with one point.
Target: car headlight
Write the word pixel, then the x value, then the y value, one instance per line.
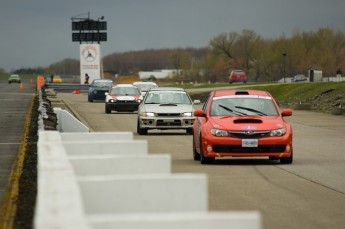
pixel 147 114
pixel 94 92
pixel 111 100
pixel 278 132
pixel 139 100
pixel 187 114
pixel 219 133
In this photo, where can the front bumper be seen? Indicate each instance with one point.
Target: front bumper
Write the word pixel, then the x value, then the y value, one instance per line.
pixel 232 147
pixel 167 122
pixel 124 105
pixel 98 94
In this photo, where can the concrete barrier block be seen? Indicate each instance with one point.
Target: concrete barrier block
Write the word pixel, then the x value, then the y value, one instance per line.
pixel 96 136
pixel 184 220
pixel 144 193
pixel 68 123
pixel 118 165
pixel 126 147
pixel 58 203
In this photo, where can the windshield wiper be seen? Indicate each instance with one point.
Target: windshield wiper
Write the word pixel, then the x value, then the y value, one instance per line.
pixel 168 104
pixel 232 111
pixel 252 110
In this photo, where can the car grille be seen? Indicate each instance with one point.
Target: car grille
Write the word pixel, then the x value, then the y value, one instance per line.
pixel 240 149
pixel 169 114
pixel 170 123
pixel 249 134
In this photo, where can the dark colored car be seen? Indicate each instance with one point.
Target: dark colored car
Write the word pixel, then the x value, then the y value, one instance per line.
pixel 14 79
pixel 237 76
pixel 98 88
pixel 123 97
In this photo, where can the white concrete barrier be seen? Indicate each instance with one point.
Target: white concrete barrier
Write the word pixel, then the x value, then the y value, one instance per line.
pixel 120 165
pixel 68 123
pixel 58 202
pixel 125 147
pixel 180 220
pixel 120 186
pixel 96 136
pixel 144 193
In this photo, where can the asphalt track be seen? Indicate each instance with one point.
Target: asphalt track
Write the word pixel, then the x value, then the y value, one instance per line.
pixel 310 193
pixel 15 102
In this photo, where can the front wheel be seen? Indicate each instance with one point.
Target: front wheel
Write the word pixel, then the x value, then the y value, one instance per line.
pixel 196 155
pixel 189 131
pixel 203 159
pixel 287 160
pixel 107 109
pixel 141 131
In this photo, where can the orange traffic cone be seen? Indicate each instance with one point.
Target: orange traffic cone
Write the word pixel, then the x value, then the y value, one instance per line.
pixel 21 87
pixel 75 92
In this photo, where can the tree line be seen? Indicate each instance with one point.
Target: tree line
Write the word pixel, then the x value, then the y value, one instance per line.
pixel 262 59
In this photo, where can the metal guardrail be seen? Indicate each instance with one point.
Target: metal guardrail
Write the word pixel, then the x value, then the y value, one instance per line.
pixel 60 87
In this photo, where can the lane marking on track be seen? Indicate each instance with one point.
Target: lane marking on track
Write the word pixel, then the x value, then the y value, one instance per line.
pixel 9 204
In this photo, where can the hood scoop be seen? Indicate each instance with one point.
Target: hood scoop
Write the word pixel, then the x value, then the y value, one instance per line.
pixel 247 120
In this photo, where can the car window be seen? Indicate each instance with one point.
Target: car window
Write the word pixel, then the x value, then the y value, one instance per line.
pixel 205 104
pixel 125 91
pixel 145 87
pixel 167 97
pixel 252 105
pixel 102 84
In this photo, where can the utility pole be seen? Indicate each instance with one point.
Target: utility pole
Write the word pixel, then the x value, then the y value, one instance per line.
pixel 284 66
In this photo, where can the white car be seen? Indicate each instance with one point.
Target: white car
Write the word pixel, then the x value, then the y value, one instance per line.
pixel 145 86
pixel 166 108
pixel 122 97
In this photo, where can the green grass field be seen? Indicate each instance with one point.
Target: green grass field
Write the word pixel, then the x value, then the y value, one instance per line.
pixel 288 93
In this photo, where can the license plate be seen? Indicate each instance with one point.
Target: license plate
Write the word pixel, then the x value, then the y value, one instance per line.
pixel 249 142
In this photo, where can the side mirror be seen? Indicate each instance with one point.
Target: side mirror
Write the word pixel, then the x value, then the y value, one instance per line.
pixel 197 101
pixel 287 112
pixel 199 113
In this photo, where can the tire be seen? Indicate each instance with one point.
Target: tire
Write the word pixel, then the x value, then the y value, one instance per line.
pixel 190 131
pixel 107 109
pixel 89 98
pixel 140 131
pixel 287 160
pixel 196 155
pixel 203 159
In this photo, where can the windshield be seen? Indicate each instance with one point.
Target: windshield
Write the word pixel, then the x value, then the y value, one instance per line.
pixel 103 84
pixel 145 87
pixel 167 97
pixel 243 105
pixel 125 91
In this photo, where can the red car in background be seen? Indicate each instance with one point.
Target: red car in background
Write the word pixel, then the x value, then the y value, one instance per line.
pixel 237 76
pixel 242 123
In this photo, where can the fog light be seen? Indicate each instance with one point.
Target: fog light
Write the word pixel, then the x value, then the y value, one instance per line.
pixel 209 149
pixel 288 148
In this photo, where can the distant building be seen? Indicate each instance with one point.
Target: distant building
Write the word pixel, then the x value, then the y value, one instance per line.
pixel 315 75
pixel 157 74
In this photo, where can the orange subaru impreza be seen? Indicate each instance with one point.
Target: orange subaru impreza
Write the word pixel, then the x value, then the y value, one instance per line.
pixel 242 123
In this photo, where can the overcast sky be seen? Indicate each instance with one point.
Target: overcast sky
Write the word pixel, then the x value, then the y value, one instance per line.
pixel 38 32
